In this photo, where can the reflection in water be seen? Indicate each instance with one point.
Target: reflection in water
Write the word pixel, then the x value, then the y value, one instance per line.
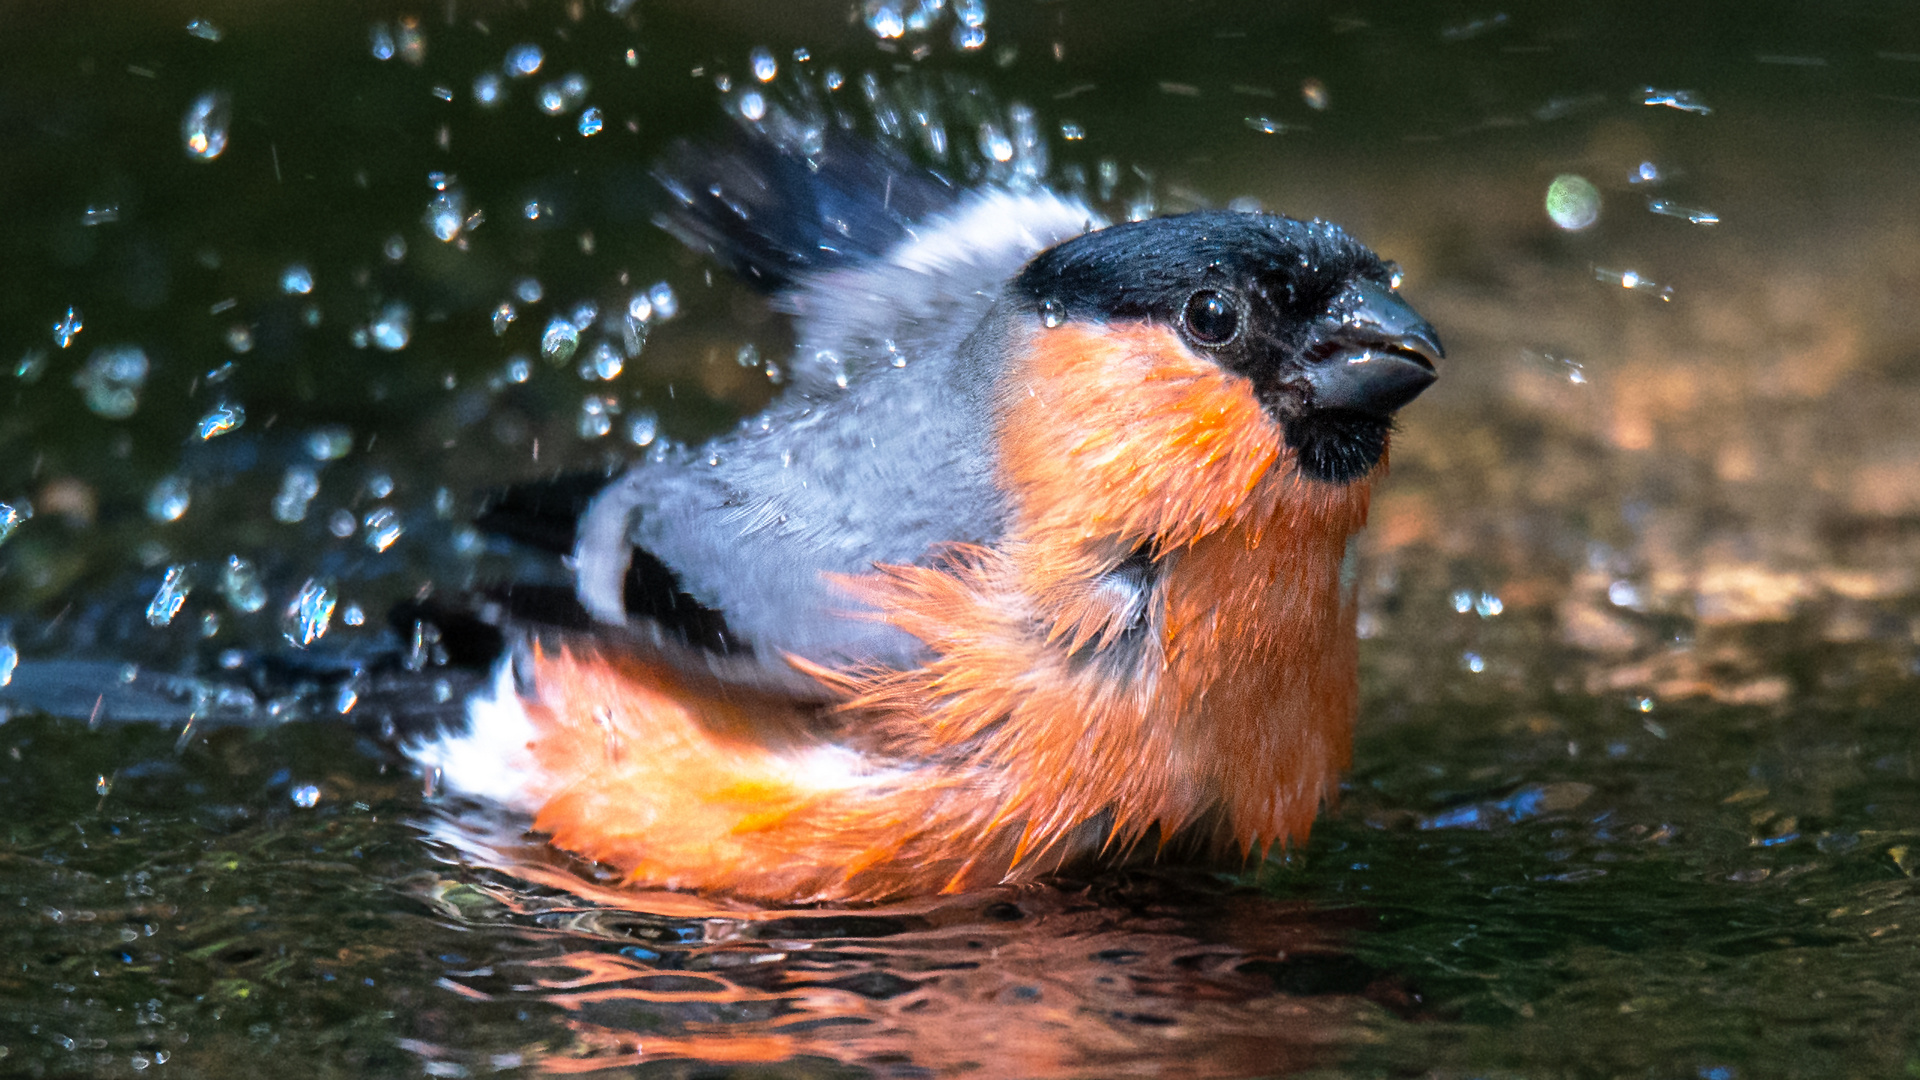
pixel 1137 973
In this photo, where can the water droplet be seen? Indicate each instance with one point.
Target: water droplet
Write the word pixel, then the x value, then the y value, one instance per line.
pixel 446 215
pixel 665 304
pixel 642 428
pixel 1488 605
pixel 379 485
pixel 753 106
pixel 595 420
pixel 173 593
pixel 994 142
pixel 488 89
pixel 1685 213
pixel 68 328
pixel 297 489
pixel 12 516
pixel 395 249
pixel 354 615
pixel 528 290
pixel 563 95
pixel 519 369
pixel 204 128
pixel 380 41
pixel 240 584
pixel 633 332
pixel 1071 131
pixel 1473 662
pixel 591 121
pixel 603 362
pixel 1647 173
pixel 308 614
pixel 584 313
pixel 383 528
pixel 112 380
pixel 1314 93
pixel 503 317
pixel 1462 601
pixel 764 66
pixel 969 38
pixel 1053 313
pixel 307 796
pixel 1573 202
pixel 834 79
pixel 885 21
pixel 204 30
pixel 296 280
pixel 1684 100
pixel 9 657
pixel 393 328
pixel 169 499
pixel 342 523
pixel 524 60
pixel 1623 594
pixel 100 215
pixel 225 417
pixel 413 44
pixel 559 341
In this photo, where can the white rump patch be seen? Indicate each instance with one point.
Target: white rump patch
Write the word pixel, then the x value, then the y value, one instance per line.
pixel 490 759
pixel 990 224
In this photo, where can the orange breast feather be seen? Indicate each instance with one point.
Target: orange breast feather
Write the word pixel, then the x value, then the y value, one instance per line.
pixel 1057 718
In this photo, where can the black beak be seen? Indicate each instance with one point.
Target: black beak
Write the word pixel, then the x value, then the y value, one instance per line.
pixel 1376 355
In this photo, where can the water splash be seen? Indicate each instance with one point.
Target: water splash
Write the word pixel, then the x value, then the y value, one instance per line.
pixel 171 596
pixel 308 614
pixel 112 380
pixel 169 499
pixel 204 127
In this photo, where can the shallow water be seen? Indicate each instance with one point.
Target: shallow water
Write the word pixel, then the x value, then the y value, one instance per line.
pixel 1635 784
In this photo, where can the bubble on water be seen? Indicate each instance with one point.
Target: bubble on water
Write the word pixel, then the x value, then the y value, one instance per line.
pixel 446 215
pixel 296 280
pixel 169 499
pixel 559 341
pixel 1688 214
pixel 591 121
pixel 12 516
pixel 112 380
pixel 595 417
pixel 306 796
pixel 665 304
pixel 603 362
pixel 9 657
pixel 1053 313
pixel 764 66
pixel 223 418
pixel 489 89
pixel 68 327
pixel 1683 100
pixel 240 584
pixel 382 528
pixel 885 20
pixel 380 41
pixel 1573 202
pixel 297 489
pixel 524 60
pixel 171 596
pixel 204 128
pixel 642 428
pixel 563 95
pixel 1314 93
pixel 308 614
pixel 204 30
pixel 528 290
pixel 752 105
pixel 393 328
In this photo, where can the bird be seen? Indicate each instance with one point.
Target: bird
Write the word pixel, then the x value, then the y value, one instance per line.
pixel 1040 560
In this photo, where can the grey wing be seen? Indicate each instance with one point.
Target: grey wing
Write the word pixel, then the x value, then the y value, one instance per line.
pixel 879 452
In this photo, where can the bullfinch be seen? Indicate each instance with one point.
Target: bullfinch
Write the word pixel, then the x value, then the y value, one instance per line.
pixel 1036 561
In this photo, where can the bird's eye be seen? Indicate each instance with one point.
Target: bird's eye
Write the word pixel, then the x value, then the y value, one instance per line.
pixel 1211 317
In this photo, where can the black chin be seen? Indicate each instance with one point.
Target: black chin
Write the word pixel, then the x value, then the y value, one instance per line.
pixel 1338 447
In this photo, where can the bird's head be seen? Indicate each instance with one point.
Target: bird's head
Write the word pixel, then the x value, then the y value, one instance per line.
pixel 1304 313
